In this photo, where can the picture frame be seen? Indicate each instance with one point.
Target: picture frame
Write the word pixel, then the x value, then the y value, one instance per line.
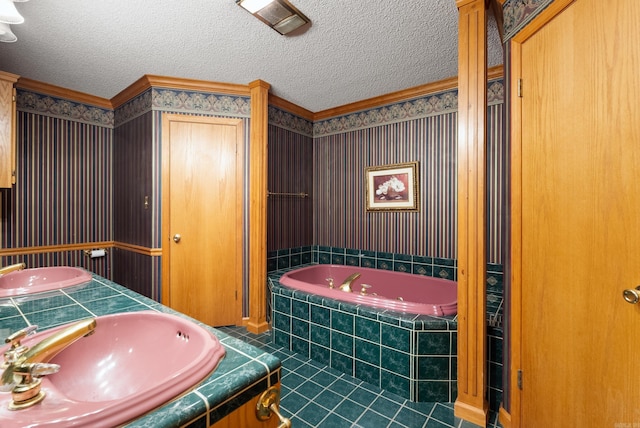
pixel 392 187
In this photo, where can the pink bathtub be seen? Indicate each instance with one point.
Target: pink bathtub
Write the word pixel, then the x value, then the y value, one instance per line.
pixel 396 291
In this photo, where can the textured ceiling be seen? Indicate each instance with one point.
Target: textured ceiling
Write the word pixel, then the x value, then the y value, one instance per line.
pixel 352 50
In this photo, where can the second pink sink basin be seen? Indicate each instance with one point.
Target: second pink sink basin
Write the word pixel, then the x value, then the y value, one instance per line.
pixel 37 280
pixel 133 363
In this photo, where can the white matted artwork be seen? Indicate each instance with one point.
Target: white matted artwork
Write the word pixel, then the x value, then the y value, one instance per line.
pixel 392 187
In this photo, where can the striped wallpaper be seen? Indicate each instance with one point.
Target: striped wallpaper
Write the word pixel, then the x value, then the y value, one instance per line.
pixel 63 193
pixel 63 190
pixel 289 218
pixel 340 160
pixel 497 154
pixel 422 130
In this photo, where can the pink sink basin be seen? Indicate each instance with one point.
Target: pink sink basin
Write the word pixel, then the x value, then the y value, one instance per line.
pixel 133 363
pixel 37 280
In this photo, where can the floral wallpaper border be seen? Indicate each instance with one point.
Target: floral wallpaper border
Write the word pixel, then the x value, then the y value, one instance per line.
pixel 200 103
pixel 518 13
pixel 431 105
pixel 133 108
pixel 162 99
pixel 188 102
pixel 60 108
pixel 284 119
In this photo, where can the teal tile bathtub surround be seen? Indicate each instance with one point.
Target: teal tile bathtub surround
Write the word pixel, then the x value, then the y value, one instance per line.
pixel 242 374
pixel 408 355
pixel 432 378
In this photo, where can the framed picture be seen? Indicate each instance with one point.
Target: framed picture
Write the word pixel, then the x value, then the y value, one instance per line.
pixel 392 187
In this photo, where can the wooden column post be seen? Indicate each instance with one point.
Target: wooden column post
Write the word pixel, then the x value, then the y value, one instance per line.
pixel 471 403
pixel 258 207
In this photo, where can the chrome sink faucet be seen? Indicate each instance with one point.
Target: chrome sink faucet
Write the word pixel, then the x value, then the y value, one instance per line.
pixel 7 269
pixel 346 285
pixel 23 366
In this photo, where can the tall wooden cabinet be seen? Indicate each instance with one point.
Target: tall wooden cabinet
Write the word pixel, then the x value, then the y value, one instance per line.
pixel 575 216
pixel 7 129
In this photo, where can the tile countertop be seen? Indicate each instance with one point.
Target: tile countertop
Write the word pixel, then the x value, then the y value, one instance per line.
pixel 242 374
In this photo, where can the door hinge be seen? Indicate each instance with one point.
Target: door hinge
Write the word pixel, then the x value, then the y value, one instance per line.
pixel 519 88
pixel 520 379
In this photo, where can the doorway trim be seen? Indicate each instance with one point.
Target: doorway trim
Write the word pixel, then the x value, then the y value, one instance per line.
pixel 515 281
pixel 166 118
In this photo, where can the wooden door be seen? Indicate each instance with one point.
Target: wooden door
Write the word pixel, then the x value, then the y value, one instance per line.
pixel 202 217
pixel 576 219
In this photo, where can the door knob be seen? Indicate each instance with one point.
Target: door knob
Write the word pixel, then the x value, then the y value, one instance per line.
pixel 632 295
pixel 177 238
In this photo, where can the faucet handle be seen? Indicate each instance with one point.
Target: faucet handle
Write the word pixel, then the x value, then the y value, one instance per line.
pixel 330 281
pixel 15 338
pixel 41 369
pixel 365 287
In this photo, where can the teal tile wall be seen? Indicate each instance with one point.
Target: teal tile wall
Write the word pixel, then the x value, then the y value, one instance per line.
pixel 419 265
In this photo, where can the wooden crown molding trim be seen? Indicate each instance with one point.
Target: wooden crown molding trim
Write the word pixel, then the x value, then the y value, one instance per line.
pixel 60 92
pixel 148 81
pixel 8 77
pixel 463 3
pixel 495 72
pixel 283 104
pixel 414 92
pixel 198 85
pixel 130 92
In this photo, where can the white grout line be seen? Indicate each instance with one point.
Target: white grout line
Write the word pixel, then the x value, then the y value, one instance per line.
pixel 78 303
pixel 251 358
pixel 17 306
pixel 206 404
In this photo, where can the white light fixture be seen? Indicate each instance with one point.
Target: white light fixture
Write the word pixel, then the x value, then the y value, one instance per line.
pixel 5 33
pixel 280 15
pixel 9 15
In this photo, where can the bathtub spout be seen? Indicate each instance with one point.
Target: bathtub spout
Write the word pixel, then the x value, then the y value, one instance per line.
pixel 346 285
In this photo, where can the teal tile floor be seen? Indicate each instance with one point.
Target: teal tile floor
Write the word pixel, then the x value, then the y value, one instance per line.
pixel 315 395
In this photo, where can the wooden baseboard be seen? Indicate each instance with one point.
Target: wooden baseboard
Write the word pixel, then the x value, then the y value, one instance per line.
pixel 257 328
pixel 472 413
pixel 504 418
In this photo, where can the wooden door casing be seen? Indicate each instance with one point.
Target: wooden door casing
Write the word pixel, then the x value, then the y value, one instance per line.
pixel 202 202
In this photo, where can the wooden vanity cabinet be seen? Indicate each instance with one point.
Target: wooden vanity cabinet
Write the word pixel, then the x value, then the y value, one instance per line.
pixel 7 129
pixel 245 416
